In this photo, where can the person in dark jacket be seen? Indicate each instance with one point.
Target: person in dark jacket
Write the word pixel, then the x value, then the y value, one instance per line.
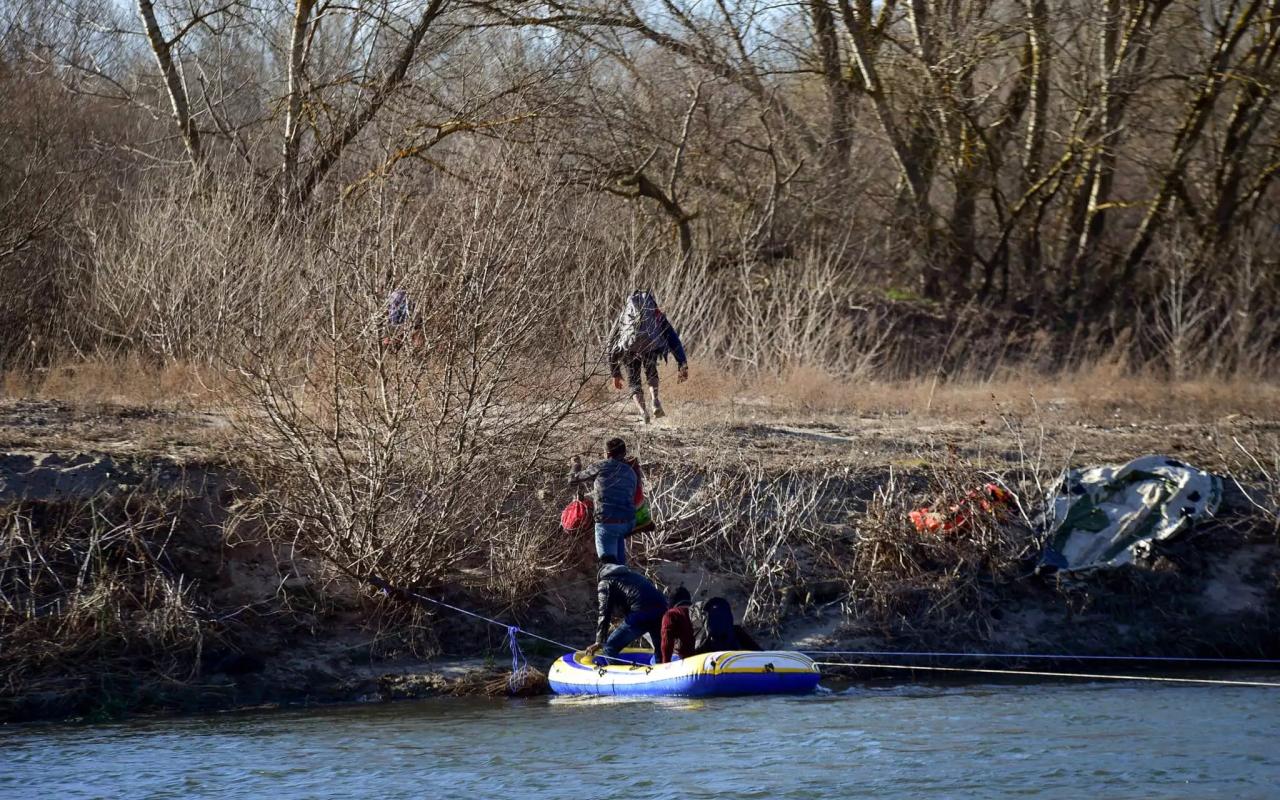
pixel 667 342
pixel 614 484
pixel 719 632
pixel 622 591
pixel 677 629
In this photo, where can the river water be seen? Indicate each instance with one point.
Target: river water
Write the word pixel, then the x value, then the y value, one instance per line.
pixel 1043 740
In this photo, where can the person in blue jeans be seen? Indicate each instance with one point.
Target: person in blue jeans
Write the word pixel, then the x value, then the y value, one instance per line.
pixel 613 491
pixel 626 592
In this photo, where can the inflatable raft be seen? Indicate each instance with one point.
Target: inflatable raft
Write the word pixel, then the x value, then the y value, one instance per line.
pixel 724 673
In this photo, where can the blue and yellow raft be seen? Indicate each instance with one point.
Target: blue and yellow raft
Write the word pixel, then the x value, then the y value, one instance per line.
pixel 724 673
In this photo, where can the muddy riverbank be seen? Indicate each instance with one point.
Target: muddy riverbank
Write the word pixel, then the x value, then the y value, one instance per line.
pixel 137 582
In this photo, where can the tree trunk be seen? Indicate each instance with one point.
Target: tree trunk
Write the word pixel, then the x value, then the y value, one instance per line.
pixel 1253 102
pixel 1038 63
pixel 913 169
pixel 839 99
pixel 162 49
pixel 1188 136
pixel 293 102
pixel 329 154
pixel 1124 35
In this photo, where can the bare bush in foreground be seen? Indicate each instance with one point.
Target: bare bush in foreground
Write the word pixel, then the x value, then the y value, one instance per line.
pixel 410 451
pixel 768 529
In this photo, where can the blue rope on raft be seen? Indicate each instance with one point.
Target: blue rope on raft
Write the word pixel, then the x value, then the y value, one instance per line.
pixel 518 661
pixel 519 664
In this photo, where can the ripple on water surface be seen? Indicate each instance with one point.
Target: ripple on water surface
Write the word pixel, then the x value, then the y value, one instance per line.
pixel 1052 741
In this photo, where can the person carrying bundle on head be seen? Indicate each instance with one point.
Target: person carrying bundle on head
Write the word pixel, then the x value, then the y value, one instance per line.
pixel 630 594
pixel 404 323
pixel 643 334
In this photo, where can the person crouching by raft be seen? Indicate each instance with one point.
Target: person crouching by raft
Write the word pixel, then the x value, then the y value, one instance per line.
pixel 719 631
pixel 677 628
pixel 614 489
pixel 623 591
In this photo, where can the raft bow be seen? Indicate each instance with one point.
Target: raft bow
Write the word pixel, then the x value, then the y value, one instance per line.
pixel 723 673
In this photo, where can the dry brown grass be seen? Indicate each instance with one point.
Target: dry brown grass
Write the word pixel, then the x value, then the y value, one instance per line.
pixel 131 380
pixel 88 590
pixel 716 392
pixel 1095 392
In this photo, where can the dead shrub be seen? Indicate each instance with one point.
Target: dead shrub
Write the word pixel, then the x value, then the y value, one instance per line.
pixel 86 590
pixel 899 577
pixel 412 452
pixel 766 528
pixel 1252 461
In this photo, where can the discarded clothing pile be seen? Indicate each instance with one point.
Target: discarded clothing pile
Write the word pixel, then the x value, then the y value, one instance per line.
pixel 991 499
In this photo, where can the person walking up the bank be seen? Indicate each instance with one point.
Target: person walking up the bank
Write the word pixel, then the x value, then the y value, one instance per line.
pixel 642 335
pixel 614 498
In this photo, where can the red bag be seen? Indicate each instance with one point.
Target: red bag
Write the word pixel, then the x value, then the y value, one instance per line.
pixel 576 516
pixel 991 498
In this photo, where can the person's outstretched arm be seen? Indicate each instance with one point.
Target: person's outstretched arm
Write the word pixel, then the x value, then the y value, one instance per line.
pixel 674 344
pixel 615 363
pixel 587 475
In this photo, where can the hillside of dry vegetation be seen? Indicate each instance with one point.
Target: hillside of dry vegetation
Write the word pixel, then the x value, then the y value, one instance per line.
pixel 909 246
pixel 145 565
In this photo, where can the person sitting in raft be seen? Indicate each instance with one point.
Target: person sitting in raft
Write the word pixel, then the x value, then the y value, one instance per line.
pixel 614 483
pixel 632 595
pixel 719 631
pixel 677 629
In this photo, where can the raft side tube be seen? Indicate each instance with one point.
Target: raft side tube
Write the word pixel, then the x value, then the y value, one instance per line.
pixel 722 673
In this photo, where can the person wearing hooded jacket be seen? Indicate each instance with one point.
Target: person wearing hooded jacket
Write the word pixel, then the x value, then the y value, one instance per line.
pixel 719 632
pixel 666 343
pixel 623 591
pixel 677 628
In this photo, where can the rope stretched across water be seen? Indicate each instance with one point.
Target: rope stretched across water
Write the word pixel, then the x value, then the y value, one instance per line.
pixel 1042 674
pixel 519 663
pixel 1049 656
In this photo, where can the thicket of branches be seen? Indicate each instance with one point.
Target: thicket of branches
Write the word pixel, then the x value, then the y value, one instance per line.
pixel 1101 169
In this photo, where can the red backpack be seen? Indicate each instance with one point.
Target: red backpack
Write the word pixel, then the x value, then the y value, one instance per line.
pixel 576 516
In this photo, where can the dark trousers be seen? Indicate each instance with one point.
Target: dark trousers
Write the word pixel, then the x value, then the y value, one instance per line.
pixel 634 364
pixel 635 625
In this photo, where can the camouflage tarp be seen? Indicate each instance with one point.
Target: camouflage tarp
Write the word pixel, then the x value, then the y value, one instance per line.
pixel 1104 516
